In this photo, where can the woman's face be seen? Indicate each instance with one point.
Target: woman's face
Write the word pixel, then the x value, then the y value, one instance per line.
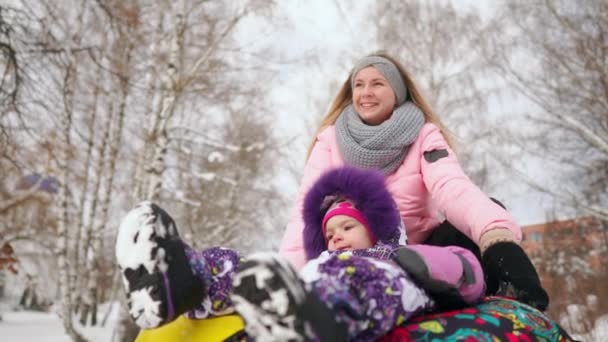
pixel 373 97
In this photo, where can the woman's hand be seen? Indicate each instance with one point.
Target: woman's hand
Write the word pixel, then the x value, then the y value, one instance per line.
pixel 510 273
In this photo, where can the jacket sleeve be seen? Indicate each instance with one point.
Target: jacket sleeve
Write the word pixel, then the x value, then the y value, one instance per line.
pixel 462 202
pixel 292 244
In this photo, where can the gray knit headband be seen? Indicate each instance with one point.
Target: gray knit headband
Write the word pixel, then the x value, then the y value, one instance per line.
pixel 388 70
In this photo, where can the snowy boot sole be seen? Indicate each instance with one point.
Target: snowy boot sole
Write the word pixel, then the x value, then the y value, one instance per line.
pixel 275 305
pixel 266 293
pixel 155 270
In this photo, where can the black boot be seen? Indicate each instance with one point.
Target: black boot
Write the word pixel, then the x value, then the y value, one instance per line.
pixel 275 305
pixel 159 282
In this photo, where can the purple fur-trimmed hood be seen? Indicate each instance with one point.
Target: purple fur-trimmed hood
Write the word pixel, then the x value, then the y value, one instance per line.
pixel 366 190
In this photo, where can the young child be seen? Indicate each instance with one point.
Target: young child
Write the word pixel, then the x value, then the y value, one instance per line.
pixel 359 282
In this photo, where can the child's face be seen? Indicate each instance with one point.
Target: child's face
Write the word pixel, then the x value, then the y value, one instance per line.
pixel 344 233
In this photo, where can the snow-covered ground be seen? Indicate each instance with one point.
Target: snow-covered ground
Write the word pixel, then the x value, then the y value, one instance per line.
pixel 26 326
pixel 599 334
pixel 574 320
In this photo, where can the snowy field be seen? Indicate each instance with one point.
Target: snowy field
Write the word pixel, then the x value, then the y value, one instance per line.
pixel 26 326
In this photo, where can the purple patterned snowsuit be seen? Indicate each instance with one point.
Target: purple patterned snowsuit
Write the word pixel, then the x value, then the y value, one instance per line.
pixel 363 288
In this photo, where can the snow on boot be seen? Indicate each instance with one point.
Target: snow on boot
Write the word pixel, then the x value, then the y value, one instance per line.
pixel 159 282
pixel 276 307
pixel 451 275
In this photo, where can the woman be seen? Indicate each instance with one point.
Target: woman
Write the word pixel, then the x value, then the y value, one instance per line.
pixel 380 120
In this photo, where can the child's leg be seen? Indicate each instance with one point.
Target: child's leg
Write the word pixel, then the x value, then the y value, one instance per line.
pixel 163 276
pixel 444 271
pixel 216 267
pixel 370 296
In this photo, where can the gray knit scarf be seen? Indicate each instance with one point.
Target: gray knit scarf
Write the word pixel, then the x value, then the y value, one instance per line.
pixel 380 147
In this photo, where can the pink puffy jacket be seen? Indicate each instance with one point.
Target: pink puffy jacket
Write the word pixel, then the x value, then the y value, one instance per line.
pixel 424 191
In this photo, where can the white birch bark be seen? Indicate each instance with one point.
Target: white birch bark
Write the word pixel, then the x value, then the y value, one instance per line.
pixel 95 254
pixel 63 206
pixel 64 243
pixel 175 79
pixel 153 86
pixel 88 300
pixel 81 237
pixel 156 168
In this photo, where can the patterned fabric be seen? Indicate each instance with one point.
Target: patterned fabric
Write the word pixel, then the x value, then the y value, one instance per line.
pixel 370 296
pixel 372 308
pixel 380 251
pixel 496 319
pixel 216 267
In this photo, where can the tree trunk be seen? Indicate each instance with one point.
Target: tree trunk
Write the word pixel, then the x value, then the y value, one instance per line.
pixel 62 231
pixel 82 235
pixel 87 239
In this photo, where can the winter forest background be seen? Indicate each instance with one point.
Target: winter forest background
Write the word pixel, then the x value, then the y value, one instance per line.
pixel 207 107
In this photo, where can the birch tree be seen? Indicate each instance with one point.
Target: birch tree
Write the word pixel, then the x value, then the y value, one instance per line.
pixel 180 72
pixel 55 87
pixel 153 87
pixel 65 263
pixel 195 76
pixel 197 85
pixel 19 45
pixel 227 187
pixel 121 64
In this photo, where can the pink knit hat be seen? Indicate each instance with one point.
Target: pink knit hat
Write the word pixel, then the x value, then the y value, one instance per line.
pixel 347 208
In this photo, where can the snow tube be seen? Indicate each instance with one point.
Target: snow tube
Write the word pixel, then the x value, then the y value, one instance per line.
pixel 494 319
pixel 218 329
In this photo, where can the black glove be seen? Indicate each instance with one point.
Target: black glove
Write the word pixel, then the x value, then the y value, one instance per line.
pixel 510 273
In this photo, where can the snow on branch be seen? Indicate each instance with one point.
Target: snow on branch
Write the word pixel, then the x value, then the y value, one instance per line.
pixel 206 141
pixel 593 139
pixel 181 197
pixel 211 176
pixel 255 146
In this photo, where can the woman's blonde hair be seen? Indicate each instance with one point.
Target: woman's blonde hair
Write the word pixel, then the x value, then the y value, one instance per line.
pixel 344 98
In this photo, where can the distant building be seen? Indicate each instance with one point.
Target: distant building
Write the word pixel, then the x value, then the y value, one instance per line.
pixel 586 237
pixel 571 256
